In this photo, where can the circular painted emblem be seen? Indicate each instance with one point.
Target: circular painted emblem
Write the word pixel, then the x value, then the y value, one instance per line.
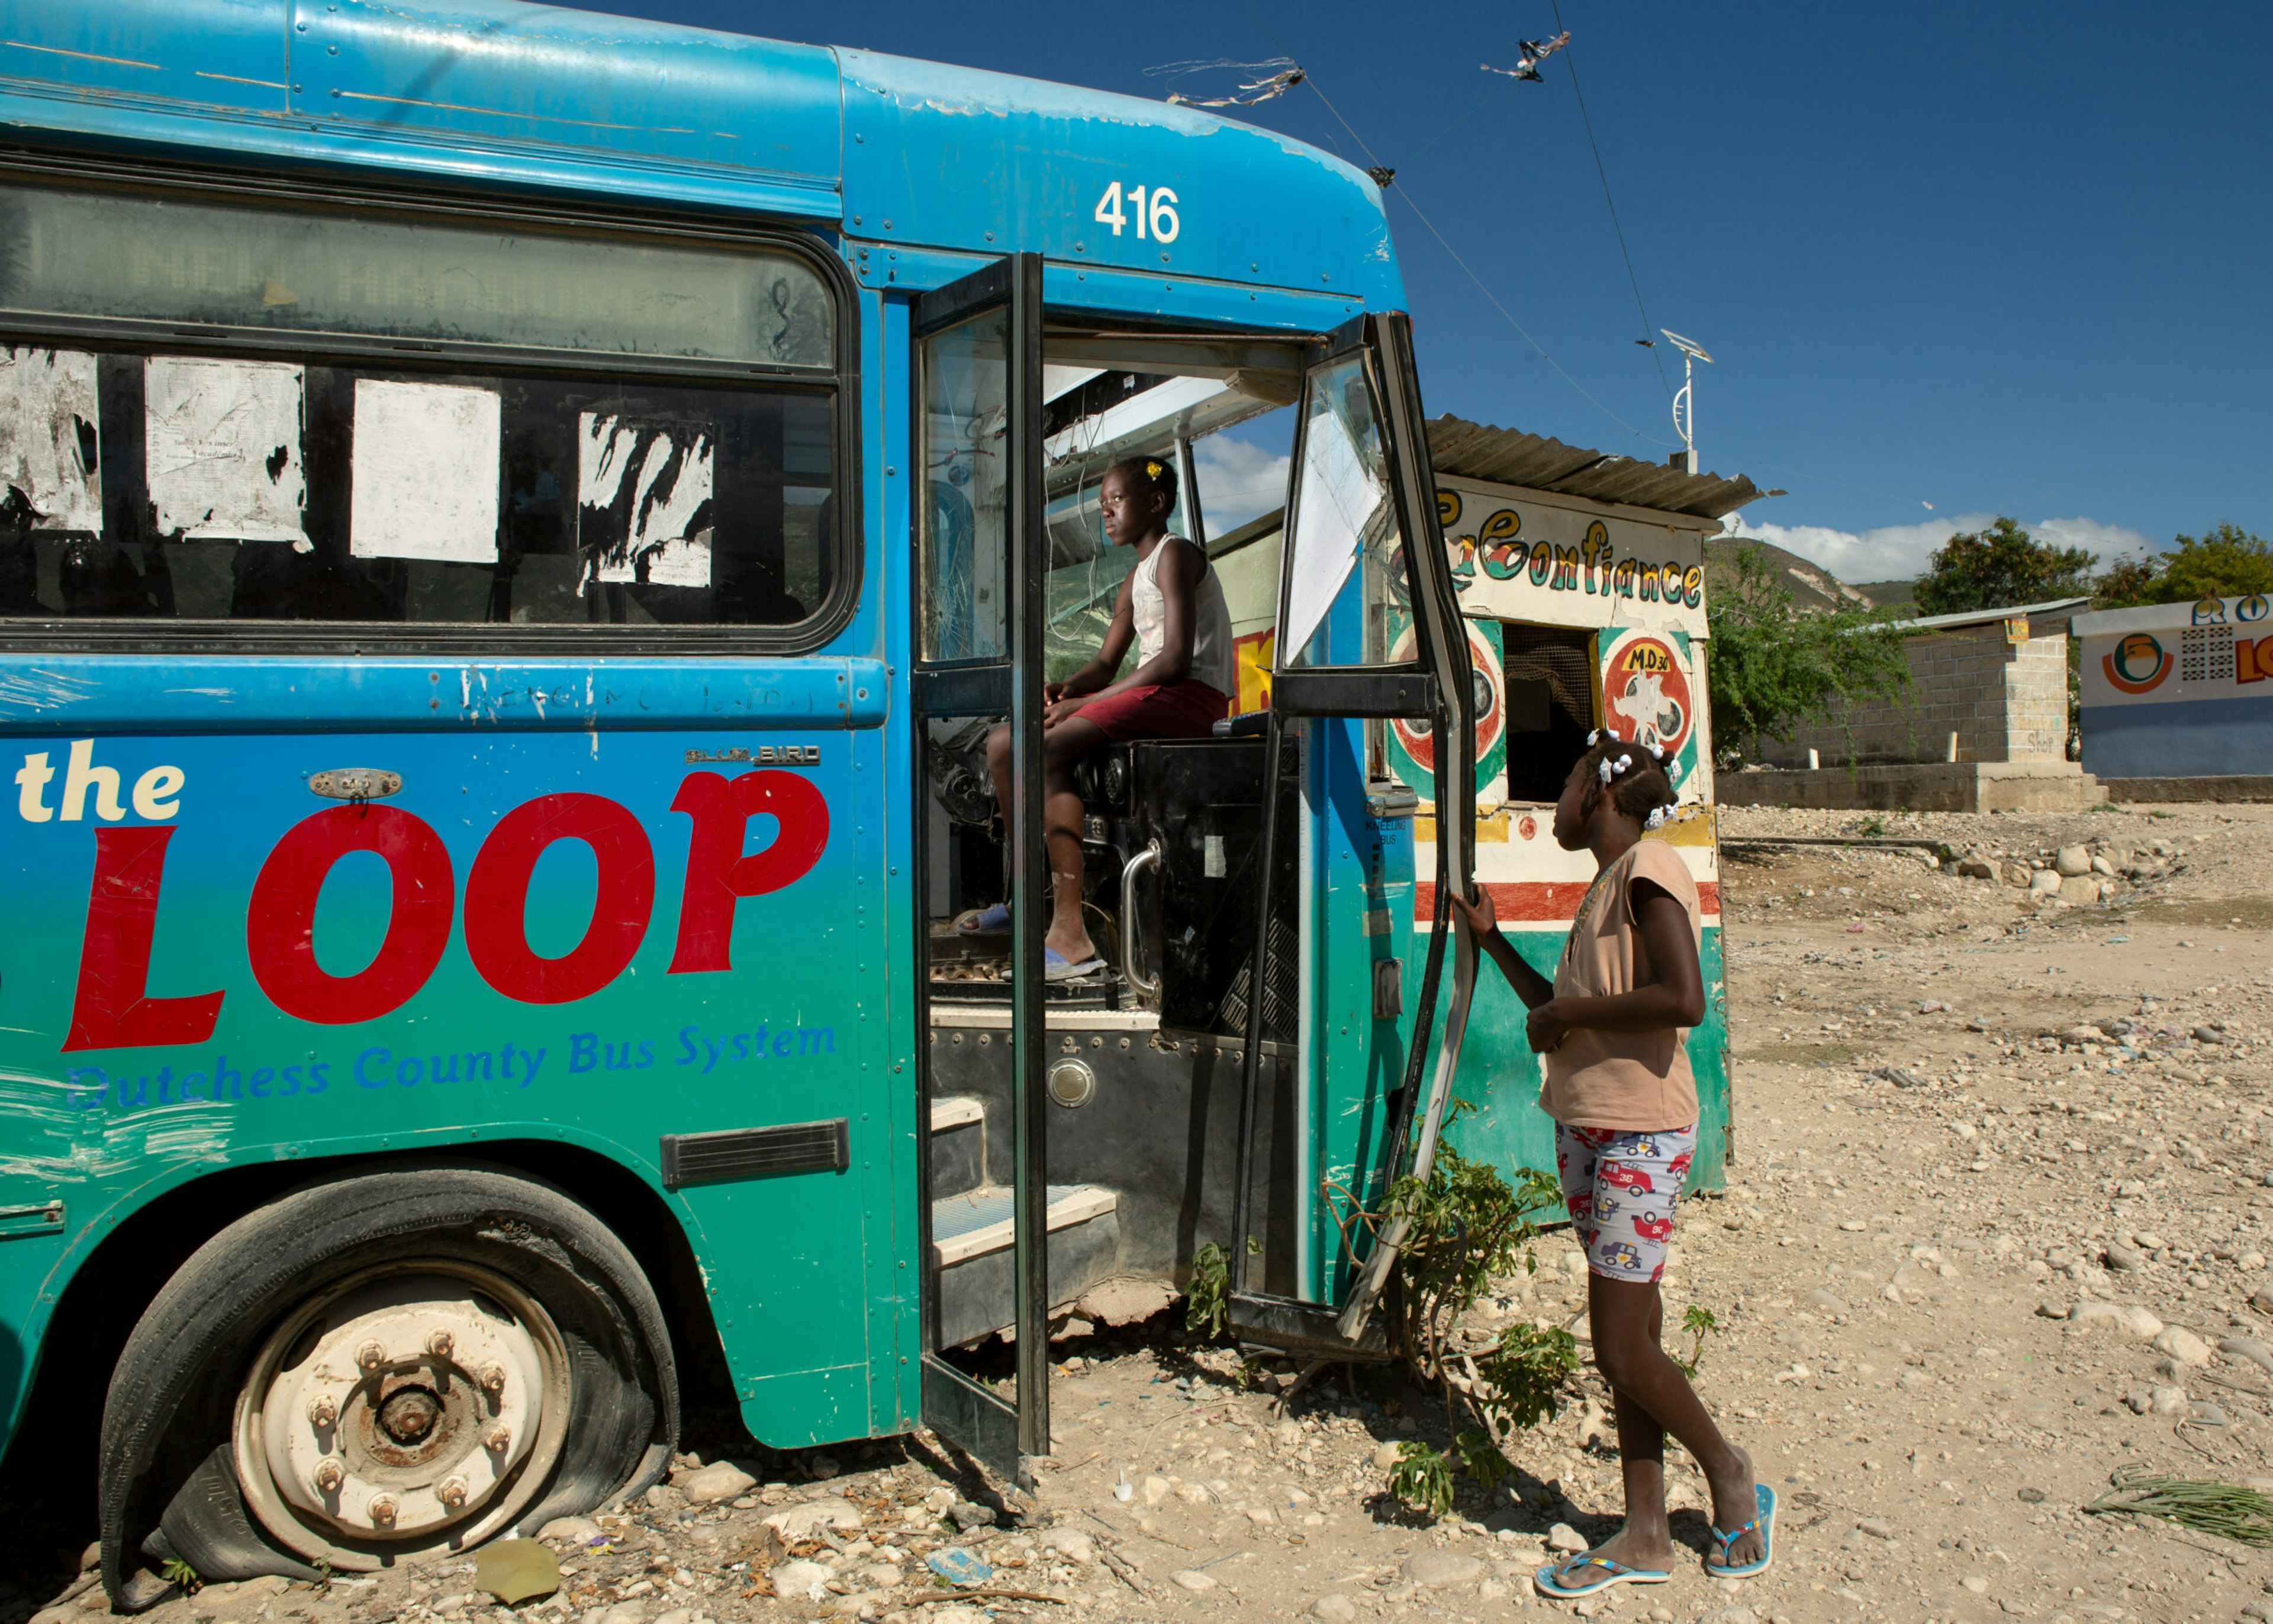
pixel 1415 734
pixel 2138 665
pixel 2250 609
pixel 1529 828
pixel 1646 693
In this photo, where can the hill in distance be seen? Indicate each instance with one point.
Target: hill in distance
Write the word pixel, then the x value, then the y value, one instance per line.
pixel 1812 587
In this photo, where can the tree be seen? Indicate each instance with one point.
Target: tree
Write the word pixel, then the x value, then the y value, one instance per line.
pixel 1774 667
pixel 2224 562
pixel 1998 568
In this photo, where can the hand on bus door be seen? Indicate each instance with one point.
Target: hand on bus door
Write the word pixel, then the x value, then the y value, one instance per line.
pixel 1482 916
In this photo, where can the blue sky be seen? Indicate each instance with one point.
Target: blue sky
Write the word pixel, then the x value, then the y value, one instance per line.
pixel 2011 259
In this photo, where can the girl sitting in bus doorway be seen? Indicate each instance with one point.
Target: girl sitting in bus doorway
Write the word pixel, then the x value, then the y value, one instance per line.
pixel 1624 1103
pixel 1171 605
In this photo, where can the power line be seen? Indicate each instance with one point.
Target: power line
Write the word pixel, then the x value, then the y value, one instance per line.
pixel 1648 332
pixel 1312 81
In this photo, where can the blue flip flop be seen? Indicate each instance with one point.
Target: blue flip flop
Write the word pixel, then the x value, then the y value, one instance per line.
pixel 1057 967
pixel 1551 1580
pixel 1765 1523
pixel 985 921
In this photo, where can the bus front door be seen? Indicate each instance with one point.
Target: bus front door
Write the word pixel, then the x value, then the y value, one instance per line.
pixel 979 617
pixel 1363 549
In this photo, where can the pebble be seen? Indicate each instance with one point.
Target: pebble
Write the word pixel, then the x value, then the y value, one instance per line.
pixel 808 1521
pixel 676 1615
pixel 802 1580
pixel 1437 1570
pixel 1823 1299
pixel 1386 1457
pixel 2147 1240
pixel 720 1481
pixel 2087 1317
pixel 577 1531
pixel 1191 1579
pixel 2167 1400
pixel 631 1612
pixel 1334 1608
pixel 1156 1490
pixel 1070 1543
pixel 2072 861
pixel 1563 1537
pixel 965 1514
pixel 2182 1345
pixel 2248 1348
pixel 1877 1528
pixel 1975 1583
pixel 2120 1256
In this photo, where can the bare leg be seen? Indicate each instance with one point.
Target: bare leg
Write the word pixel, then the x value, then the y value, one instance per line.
pixel 1653 1399
pixel 1063 746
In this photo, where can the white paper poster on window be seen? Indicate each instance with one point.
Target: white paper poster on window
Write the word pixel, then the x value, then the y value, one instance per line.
pixel 425 472
pixel 223 443
pixel 48 456
pixel 643 499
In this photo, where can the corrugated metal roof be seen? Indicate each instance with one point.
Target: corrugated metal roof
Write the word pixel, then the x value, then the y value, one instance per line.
pixel 1983 617
pixel 1510 457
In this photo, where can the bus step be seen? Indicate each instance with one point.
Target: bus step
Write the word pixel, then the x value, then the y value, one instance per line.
pixel 958 1145
pixel 972 1250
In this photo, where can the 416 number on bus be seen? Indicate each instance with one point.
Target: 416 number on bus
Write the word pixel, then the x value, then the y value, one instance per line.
pixel 1152 209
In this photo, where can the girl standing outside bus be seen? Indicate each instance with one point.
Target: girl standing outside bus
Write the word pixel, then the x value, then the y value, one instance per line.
pixel 1609 1028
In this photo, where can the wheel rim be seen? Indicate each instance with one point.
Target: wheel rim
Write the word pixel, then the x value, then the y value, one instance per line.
pixel 416 1406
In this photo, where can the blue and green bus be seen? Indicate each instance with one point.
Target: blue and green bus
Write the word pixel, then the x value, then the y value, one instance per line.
pixel 517 523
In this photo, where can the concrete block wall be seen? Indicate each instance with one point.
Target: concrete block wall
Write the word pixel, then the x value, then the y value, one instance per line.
pixel 2006 702
pixel 2035 700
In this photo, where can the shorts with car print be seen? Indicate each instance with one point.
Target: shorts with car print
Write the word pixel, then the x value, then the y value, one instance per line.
pixel 1620 1189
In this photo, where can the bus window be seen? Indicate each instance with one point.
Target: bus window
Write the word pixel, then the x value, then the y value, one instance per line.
pixel 1344 518
pixel 1550 707
pixel 275 454
pixel 966 392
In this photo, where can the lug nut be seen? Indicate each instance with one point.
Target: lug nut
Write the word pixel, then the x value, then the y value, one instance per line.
pixel 452 1492
pixel 497 1439
pixel 382 1510
pixel 439 1342
pixel 322 1412
pixel 329 1475
pixel 493 1378
pixel 371 1356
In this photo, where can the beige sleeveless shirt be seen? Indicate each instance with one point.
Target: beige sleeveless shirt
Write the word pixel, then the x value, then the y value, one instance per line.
pixel 1634 1081
pixel 1148 608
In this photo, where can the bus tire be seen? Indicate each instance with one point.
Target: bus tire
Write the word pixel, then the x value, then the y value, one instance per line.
pixel 379 1364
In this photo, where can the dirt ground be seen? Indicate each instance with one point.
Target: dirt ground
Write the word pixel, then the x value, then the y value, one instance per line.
pixel 1999 1213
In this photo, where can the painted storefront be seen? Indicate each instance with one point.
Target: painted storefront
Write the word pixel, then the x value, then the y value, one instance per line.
pixel 2177 690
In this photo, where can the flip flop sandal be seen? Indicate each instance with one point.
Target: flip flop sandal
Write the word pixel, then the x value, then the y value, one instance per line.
pixel 1552 1581
pixel 1057 967
pixel 985 921
pixel 1765 1523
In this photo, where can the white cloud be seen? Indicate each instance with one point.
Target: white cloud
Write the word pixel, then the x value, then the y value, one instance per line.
pixel 1900 552
pixel 1237 481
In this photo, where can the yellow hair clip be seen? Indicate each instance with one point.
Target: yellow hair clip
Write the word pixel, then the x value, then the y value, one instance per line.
pixel 1152 470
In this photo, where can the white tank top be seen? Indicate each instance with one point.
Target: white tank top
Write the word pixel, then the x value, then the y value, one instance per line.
pixel 1148 607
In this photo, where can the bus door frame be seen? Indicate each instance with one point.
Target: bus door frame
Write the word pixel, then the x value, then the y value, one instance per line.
pixel 1005 1436
pixel 1437 686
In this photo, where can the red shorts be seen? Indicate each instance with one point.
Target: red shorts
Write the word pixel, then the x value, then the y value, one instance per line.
pixel 1159 710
